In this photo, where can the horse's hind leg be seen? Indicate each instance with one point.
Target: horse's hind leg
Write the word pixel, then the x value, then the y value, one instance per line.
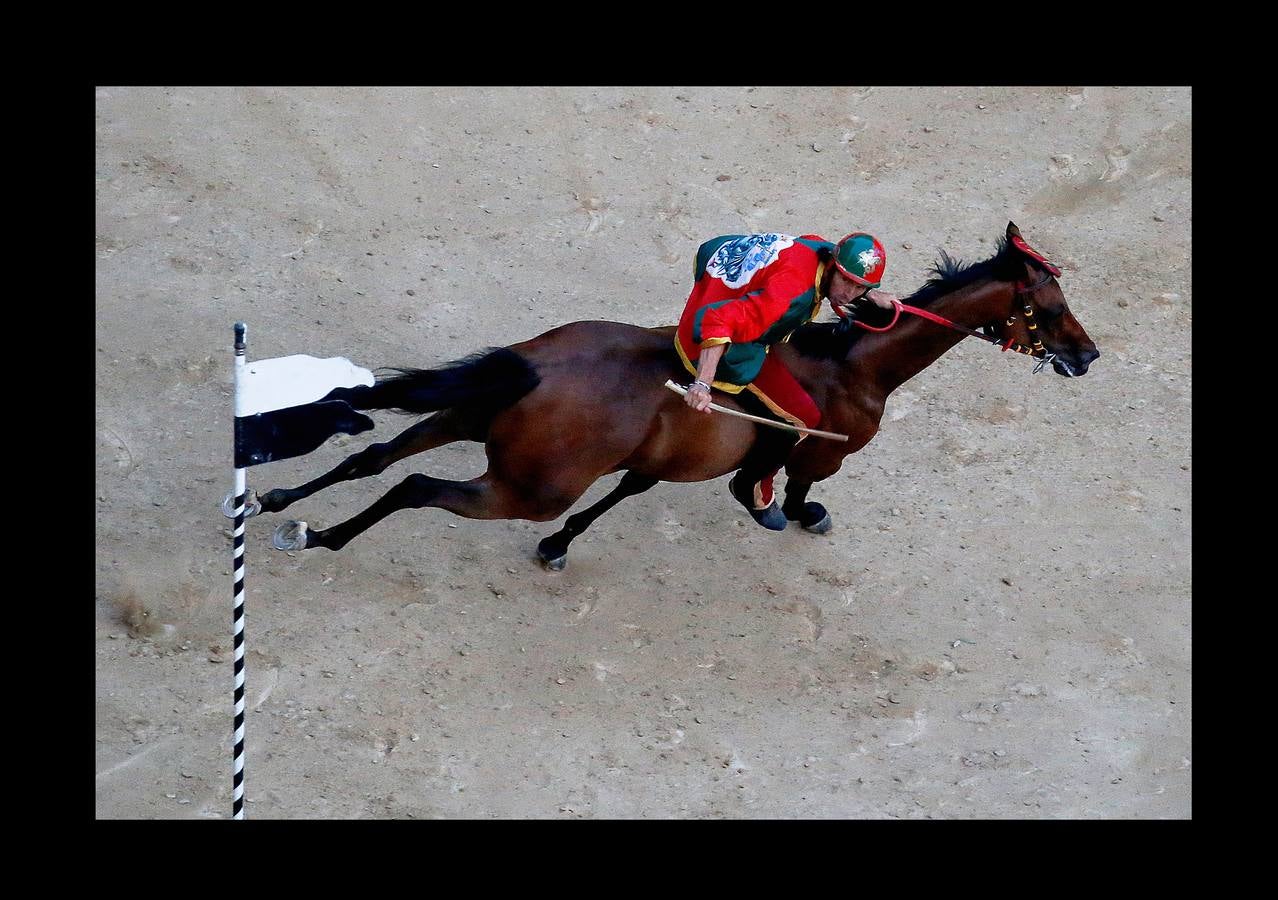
pixel 442 428
pixel 554 549
pixel 485 497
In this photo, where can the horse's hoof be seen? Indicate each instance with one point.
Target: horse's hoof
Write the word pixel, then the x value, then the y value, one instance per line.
pixel 553 558
pixel 812 516
pixel 552 553
pixel 251 505
pixel 820 527
pixel 270 501
pixel 290 536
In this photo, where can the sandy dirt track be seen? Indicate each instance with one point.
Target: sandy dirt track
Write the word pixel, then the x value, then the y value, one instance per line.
pixel 998 626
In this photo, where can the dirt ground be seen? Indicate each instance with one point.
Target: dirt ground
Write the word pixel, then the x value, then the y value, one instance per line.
pixel 997 627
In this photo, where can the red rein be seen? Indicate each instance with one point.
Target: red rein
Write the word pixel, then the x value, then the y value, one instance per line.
pixel 899 306
pixel 933 317
pixel 921 313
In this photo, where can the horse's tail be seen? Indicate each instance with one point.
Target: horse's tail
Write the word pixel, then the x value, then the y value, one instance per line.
pixel 492 379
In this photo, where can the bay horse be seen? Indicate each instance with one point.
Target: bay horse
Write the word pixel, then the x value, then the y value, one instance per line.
pixel 559 411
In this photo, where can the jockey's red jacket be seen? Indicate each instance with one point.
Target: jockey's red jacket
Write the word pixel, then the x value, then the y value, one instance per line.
pixel 750 291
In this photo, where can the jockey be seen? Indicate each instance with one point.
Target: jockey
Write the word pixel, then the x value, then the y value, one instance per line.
pixel 750 292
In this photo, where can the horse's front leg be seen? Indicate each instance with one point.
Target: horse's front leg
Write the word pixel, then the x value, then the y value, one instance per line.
pixel 797 508
pixel 815 460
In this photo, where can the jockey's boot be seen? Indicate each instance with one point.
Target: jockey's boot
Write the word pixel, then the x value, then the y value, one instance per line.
pixel 752 485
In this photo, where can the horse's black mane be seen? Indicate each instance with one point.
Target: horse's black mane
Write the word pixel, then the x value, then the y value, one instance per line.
pixel 833 340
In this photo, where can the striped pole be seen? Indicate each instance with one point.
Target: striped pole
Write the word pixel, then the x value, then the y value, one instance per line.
pixel 237 618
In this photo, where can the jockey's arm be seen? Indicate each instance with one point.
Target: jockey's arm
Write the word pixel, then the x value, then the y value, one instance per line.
pixel 707 363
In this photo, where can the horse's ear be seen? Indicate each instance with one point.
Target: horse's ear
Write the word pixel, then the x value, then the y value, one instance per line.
pixel 1015 239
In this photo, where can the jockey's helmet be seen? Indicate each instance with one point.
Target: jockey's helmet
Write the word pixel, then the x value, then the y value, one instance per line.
pixel 862 258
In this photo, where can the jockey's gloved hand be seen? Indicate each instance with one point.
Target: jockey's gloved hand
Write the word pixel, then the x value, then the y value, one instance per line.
pixel 849 313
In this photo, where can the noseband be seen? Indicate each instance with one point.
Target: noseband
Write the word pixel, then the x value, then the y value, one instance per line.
pixel 1023 290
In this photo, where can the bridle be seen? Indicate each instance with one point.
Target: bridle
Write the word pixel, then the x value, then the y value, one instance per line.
pixel 1023 290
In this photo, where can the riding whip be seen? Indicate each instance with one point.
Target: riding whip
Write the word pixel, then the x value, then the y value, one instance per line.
pixel 762 421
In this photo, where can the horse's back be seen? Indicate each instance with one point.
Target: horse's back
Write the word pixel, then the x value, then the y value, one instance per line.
pixel 609 354
pixel 602 395
pixel 578 339
pixel 600 388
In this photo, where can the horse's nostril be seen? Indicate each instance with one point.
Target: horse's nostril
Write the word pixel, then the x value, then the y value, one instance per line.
pixel 1086 359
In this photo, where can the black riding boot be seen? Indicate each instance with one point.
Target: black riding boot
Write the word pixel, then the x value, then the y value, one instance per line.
pixel 767 455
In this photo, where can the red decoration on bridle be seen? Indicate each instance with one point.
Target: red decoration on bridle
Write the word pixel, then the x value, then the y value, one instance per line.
pixel 1019 243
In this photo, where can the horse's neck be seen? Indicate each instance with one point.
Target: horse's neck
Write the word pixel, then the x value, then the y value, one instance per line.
pixel 894 357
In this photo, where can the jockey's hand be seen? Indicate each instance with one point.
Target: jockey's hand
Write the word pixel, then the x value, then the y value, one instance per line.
pixel 697 397
pixel 882 298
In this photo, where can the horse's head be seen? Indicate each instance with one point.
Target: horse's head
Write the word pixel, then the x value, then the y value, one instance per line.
pixel 1041 319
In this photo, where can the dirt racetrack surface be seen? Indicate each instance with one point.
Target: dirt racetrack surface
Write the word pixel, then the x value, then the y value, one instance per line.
pixel 998 625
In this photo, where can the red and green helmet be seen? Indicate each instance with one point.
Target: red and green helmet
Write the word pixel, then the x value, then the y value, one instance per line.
pixel 862 258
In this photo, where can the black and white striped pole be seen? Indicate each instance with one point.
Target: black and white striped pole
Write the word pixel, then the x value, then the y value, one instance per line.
pixel 237 617
pixel 280 413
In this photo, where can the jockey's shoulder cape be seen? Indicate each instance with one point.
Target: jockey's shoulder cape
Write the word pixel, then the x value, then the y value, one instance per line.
pixel 750 291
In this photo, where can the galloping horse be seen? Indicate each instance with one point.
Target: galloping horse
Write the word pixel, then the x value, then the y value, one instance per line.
pixel 557 412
